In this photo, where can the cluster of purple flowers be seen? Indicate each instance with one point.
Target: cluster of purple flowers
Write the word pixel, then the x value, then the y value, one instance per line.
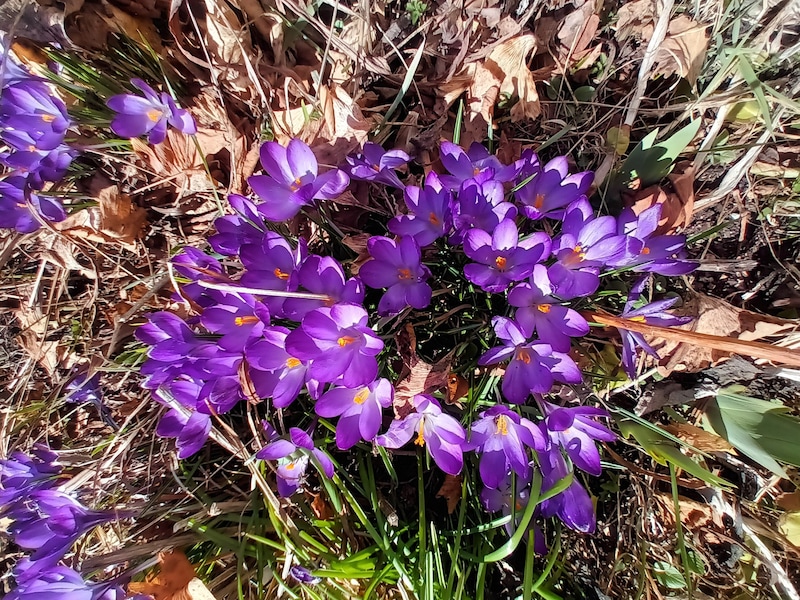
pixel 46 521
pixel 33 127
pixel 290 322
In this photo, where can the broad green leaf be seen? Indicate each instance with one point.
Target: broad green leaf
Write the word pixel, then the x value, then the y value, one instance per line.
pixel 650 161
pixel 758 429
pixel 664 451
pixel 668 576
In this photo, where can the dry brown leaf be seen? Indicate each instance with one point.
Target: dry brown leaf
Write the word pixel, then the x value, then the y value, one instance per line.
pixel 577 31
pixel 683 50
pixel 172 581
pixel 176 161
pixel 512 59
pixel 457 388
pixel 33 337
pixel 483 94
pixel 701 439
pixel 321 509
pixel 451 492
pixel 789 501
pixel 632 17
pixel 677 206
pixel 417 376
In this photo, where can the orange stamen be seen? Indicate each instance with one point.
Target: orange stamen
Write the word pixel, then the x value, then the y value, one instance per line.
pixel 502 425
pixel 524 356
pixel 345 340
pixel 639 319
pixel 538 202
pixel 48 118
pixel 645 250
pixel 434 220
pixel 239 321
pixel 404 274
pixel 500 261
pixel 154 115
pixel 543 308
pixel 280 274
pixel 361 396
pixel 292 362
pixel 420 441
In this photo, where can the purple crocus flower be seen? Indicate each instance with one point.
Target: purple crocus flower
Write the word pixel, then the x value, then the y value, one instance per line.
pixel 502 257
pixel 276 373
pixel 322 275
pixel 573 505
pixel 653 313
pixel 430 212
pixel 84 389
pixel 360 411
pixel 15 210
pixel 552 189
pixel 30 106
pixel 272 265
pixel 534 366
pixel 303 575
pixel 21 474
pixel 292 181
pixel 539 312
pixel 56 583
pixel 11 70
pixel 663 254
pixel 235 317
pixel 293 456
pixel 340 344
pixel 396 265
pixel 502 439
pixel 444 436
pixel 480 204
pixel 463 166
pixel 585 245
pixel 39 166
pixel 196 266
pixel 512 498
pixel 151 114
pixel 234 231
pixel 190 432
pixel 576 431
pixel 376 164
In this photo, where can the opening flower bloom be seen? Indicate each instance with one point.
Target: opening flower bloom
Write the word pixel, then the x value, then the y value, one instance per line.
pixel 552 189
pixel 360 410
pixel 440 433
pixel 576 431
pixel 430 212
pixel 149 114
pixel 292 181
pixel 463 166
pixel 374 163
pixel 293 456
pixel 396 265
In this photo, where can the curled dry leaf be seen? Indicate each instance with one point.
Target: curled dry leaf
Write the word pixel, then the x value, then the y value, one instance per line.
pixel 172 581
pixel 451 492
pixel 701 439
pixel 677 204
pixel 33 338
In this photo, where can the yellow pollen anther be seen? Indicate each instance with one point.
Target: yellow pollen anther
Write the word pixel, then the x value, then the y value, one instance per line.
pixel 48 118
pixel 500 261
pixel 290 466
pixel 239 321
pixel 376 168
pixel 420 441
pixel 639 319
pixel 280 274
pixel 361 396
pixel 292 362
pixel 31 148
pixel 344 340
pixel 434 220
pixel 154 115
pixel 502 425
pixel 645 250
pixel 524 356
pixel 404 274
pixel 475 170
pixel 538 202
pixel 543 308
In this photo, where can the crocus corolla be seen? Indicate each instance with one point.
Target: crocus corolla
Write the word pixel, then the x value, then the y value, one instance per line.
pixel 396 265
pixel 573 505
pixel 429 212
pixel 293 456
pixel 137 115
pixel 576 431
pixel 376 164
pixel 360 410
pixel 552 189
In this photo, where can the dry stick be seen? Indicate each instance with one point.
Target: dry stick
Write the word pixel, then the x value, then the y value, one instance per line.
pixel 715 342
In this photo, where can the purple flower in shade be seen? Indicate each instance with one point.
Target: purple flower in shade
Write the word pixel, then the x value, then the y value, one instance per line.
pixel 340 344
pixel 376 164
pixel 272 265
pixel 443 435
pixel 39 166
pixel 151 114
pixel 190 431
pixel 293 456
pixel 463 166
pixel 360 410
pixel 303 575
pixel 502 257
pixel 480 204
pixel 576 431
pixel 22 474
pixel 533 366
pixel 586 243
pixel 31 107
pixel 430 212
pixel 322 275
pixel 396 265
pixel 501 499
pixel 652 314
pixel 84 389
pixel 48 522
pixel 236 317
pixel 663 254
pixel 573 505
pixel 195 265
pixel 15 208
pixel 291 181
pixel 539 312
pixel 552 189
pixel 57 583
pixel 502 439
pixel 275 372
pixel 234 231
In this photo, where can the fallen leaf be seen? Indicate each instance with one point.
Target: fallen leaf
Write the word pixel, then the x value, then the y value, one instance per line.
pixel 176 161
pixel 33 337
pixel 632 17
pixel 321 509
pixel 677 204
pixel 457 388
pixel 225 40
pixel 417 376
pixel 451 492
pixel 577 31
pixel 789 525
pixel 172 581
pixel 789 501
pixel 703 440
pixel 512 59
